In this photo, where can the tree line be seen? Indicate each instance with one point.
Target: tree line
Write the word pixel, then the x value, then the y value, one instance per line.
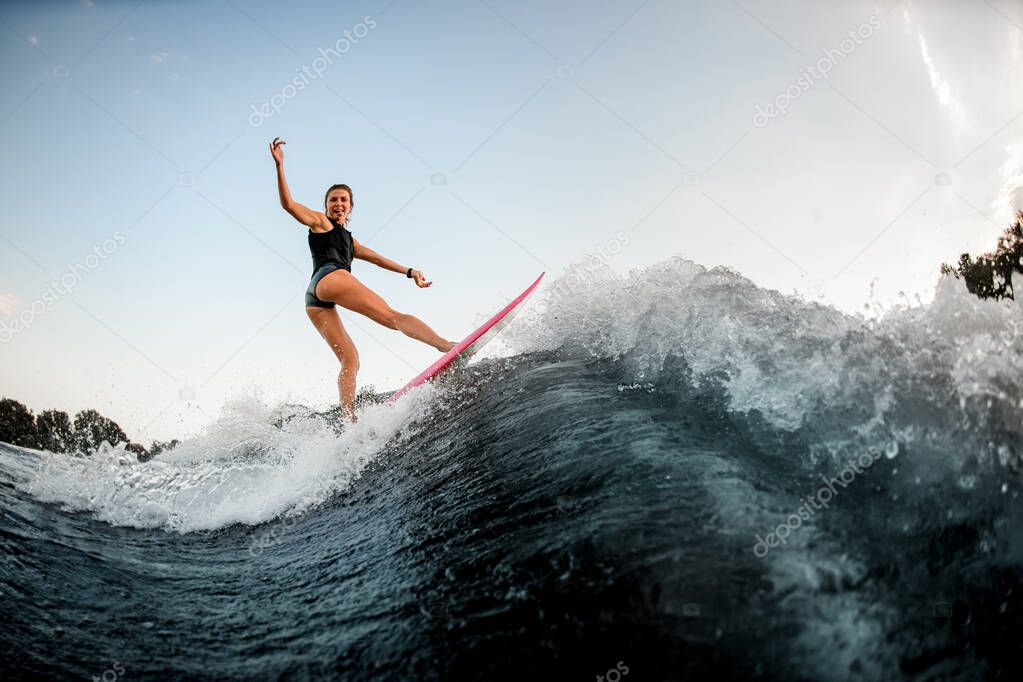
pixel 55 431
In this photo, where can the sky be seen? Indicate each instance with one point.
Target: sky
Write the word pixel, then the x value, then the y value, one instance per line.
pixel 838 151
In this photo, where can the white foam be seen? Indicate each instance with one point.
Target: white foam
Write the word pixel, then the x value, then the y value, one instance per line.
pixel 789 359
pixel 242 469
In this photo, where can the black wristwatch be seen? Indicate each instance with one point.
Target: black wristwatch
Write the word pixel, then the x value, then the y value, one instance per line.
pixel 409 273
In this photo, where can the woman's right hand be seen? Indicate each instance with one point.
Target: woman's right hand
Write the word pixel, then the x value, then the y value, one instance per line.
pixel 277 150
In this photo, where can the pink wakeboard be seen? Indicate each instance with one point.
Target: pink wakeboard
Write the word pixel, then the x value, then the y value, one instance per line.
pixel 471 344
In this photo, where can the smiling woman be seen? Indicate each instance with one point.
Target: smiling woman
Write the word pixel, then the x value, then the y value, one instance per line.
pixel 333 247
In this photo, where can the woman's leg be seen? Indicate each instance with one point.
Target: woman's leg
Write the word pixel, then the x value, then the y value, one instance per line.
pixel 342 288
pixel 328 323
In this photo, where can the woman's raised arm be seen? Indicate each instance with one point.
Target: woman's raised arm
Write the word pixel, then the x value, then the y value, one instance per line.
pixel 303 214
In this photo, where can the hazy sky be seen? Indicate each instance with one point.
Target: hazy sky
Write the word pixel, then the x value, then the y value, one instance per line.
pixel 486 142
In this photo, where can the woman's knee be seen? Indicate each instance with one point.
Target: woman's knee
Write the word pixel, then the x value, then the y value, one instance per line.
pixel 349 360
pixel 388 317
pixel 346 354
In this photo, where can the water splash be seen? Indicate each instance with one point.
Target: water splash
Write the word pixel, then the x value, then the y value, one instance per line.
pixel 253 464
pixel 928 375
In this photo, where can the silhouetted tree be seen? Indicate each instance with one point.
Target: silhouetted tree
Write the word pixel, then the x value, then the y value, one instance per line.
pixel 53 431
pixel 17 425
pixel 990 275
pixel 140 452
pixel 159 446
pixel 92 428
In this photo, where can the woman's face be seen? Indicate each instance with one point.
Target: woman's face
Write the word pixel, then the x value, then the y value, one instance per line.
pixel 339 204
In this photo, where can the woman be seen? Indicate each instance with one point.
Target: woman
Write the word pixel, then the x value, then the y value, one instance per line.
pixel 333 247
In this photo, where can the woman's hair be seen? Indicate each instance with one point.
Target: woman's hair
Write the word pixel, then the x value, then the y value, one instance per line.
pixel 351 194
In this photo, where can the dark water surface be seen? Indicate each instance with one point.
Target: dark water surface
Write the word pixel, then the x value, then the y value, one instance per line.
pixel 590 503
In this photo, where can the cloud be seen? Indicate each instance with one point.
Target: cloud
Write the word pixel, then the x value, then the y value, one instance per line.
pixel 87 3
pixel 7 303
pixel 939 83
pixel 1010 196
pixel 34 40
pixel 941 86
pixel 158 56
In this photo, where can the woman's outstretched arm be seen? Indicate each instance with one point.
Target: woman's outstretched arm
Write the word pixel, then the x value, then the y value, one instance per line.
pixel 370 256
pixel 303 214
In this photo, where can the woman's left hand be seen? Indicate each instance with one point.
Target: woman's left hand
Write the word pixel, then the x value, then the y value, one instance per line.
pixel 420 279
